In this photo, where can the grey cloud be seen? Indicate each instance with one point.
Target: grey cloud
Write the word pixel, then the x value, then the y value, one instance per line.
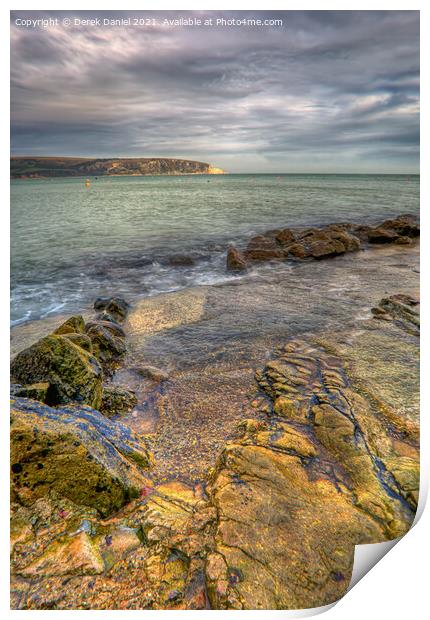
pixel 327 88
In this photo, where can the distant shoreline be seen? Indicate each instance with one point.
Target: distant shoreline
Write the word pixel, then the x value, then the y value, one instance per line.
pixel 202 174
pixel 50 167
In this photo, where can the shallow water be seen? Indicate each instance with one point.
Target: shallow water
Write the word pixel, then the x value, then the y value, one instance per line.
pixel 212 339
pixel 71 244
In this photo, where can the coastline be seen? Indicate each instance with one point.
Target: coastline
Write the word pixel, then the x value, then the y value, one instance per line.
pixel 225 380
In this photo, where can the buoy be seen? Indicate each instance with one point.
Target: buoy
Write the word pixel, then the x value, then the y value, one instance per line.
pixel 87 183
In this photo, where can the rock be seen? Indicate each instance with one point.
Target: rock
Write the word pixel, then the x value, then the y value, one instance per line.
pixel 381 235
pixel 330 242
pixel 152 552
pixel 75 324
pixel 261 248
pixel 36 391
pixel 362 232
pixel 404 225
pixel 319 243
pixel 112 326
pixel 379 313
pixel 285 237
pixel 403 241
pixel 70 555
pixel 298 250
pixel 263 254
pixel 81 340
pixel 155 374
pixel 293 499
pixel 76 452
pixel 117 400
pixel 261 241
pixel 235 260
pixel 402 309
pixel 181 260
pixel 399 230
pixel 106 346
pixel 73 373
pixel 116 307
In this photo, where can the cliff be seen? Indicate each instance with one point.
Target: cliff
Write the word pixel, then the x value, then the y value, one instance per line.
pixel 39 167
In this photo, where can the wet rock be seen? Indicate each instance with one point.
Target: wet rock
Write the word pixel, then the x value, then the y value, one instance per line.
pixel 261 248
pixel 298 250
pixel 73 373
pixel 153 373
pixel 181 260
pixel 397 230
pixel 76 452
pixel 112 326
pixel 235 260
pixel 295 497
pixel 402 309
pixel 404 225
pixel 263 254
pixel 380 314
pixel 106 346
pixel 403 241
pixel 116 307
pixel 381 235
pixel 320 243
pixel 331 242
pixel 117 400
pixel 75 324
pixel 261 241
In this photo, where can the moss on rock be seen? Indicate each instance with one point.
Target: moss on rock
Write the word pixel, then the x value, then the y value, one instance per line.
pixel 76 452
pixel 73 373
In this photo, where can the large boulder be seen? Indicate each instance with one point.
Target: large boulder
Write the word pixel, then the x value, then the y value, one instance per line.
pixel 73 373
pixel 76 452
pixel 323 243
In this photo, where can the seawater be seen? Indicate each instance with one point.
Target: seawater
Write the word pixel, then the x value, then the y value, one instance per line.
pixel 127 235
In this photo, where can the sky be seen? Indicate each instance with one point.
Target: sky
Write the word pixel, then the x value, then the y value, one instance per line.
pixel 324 92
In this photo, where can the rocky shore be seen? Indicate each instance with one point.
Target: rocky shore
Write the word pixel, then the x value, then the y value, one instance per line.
pixel 155 465
pixel 319 243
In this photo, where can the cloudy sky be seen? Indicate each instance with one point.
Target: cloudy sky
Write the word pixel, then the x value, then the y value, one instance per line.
pixel 325 92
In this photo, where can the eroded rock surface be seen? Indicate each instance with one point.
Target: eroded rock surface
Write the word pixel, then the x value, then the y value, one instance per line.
pixel 322 454
pixel 402 309
pixel 295 495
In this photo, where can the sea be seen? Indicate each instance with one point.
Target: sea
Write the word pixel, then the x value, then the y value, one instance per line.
pixel 136 237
